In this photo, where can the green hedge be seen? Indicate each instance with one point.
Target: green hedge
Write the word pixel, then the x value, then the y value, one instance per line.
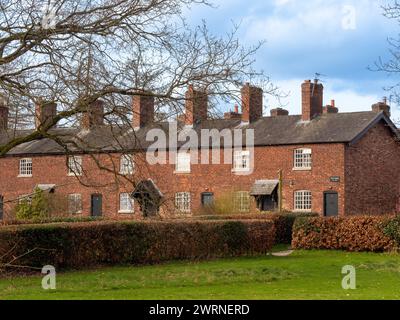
pixel 360 233
pixel 88 244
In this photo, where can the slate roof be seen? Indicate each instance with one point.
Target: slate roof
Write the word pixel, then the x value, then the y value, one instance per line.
pixel 264 187
pixel 268 131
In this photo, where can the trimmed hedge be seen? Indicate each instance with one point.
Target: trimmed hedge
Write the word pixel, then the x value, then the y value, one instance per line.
pixel 283 222
pixel 361 233
pixel 88 244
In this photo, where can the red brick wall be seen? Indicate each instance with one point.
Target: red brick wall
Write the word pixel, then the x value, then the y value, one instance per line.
pixel 373 173
pixel 328 160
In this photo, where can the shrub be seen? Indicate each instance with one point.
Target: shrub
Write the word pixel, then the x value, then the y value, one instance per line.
pixel 81 245
pixel 359 233
pixel 37 208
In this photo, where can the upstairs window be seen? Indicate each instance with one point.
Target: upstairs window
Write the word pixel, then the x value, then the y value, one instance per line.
pixel 182 202
pixel 241 160
pixel 241 201
pixel 302 159
pixel 126 164
pixel 183 160
pixel 75 203
pixel 25 167
pixel 126 203
pixel 75 166
pixel 303 200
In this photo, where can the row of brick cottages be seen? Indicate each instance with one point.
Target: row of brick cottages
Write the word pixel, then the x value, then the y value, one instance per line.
pixel 331 163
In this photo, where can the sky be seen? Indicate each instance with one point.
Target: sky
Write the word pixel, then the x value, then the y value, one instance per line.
pixel 340 39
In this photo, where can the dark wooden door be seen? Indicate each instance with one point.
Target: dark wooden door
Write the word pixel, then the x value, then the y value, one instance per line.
pixel 97 205
pixel 331 204
pixel 1 207
pixel 207 199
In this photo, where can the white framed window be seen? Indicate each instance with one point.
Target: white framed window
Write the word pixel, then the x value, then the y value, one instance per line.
pixel 241 201
pixel 302 200
pixel 182 202
pixel 75 166
pixel 126 203
pixel 303 159
pixel 75 203
pixel 126 164
pixel 25 167
pixel 241 160
pixel 183 160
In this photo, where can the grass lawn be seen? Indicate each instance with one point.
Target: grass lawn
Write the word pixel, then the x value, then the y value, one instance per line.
pixel 303 275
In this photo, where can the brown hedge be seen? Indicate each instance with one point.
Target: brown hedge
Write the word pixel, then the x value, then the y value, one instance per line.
pixel 78 245
pixel 361 233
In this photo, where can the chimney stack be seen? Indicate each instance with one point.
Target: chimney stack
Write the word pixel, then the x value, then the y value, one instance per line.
pixel 279 112
pixel 94 115
pixel 382 106
pixel 45 111
pixel 3 115
pixel 312 99
pixel 330 108
pixel 143 110
pixel 233 115
pixel 196 106
pixel 252 103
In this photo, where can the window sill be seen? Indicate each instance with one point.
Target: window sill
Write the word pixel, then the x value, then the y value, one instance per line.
pixel 182 172
pixel 240 170
pixel 25 176
pixel 74 175
pixel 126 212
pixel 302 211
pixel 126 173
pixel 302 169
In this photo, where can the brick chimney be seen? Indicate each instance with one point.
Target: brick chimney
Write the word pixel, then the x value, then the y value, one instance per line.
pixel 312 99
pixel 252 103
pixel 330 108
pixel 278 112
pixel 233 114
pixel 143 110
pixel 94 115
pixel 196 106
pixel 3 115
pixel 44 113
pixel 382 106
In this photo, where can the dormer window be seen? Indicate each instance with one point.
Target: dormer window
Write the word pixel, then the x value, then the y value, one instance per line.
pixel 303 159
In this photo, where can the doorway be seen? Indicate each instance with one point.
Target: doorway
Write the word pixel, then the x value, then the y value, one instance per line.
pixel 96 205
pixel 331 204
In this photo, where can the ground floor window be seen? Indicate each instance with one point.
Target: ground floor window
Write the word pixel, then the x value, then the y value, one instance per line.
pixel 182 202
pixel 241 201
pixel 126 203
pixel 74 203
pixel 302 200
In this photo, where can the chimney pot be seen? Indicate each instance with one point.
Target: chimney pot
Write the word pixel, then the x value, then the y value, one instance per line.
pixel 236 108
pixel 332 103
